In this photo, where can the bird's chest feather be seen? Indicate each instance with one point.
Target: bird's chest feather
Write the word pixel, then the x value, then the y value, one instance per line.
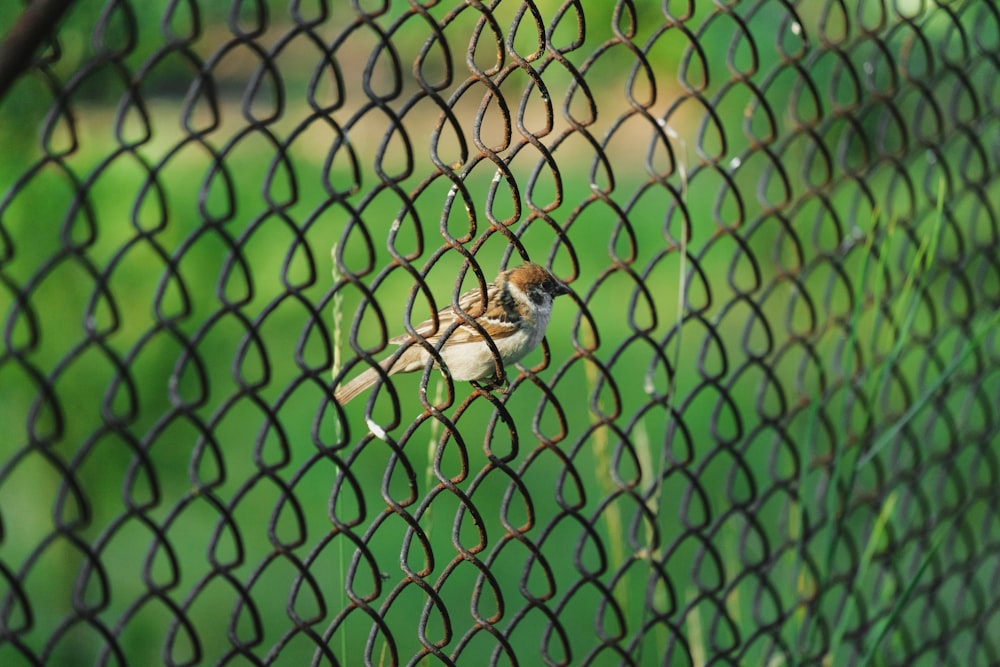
pixel 474 361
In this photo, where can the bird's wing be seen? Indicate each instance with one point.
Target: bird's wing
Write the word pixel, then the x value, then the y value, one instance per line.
pixel 496 321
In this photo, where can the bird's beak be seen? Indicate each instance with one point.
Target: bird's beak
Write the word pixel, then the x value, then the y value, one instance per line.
pixel 561 288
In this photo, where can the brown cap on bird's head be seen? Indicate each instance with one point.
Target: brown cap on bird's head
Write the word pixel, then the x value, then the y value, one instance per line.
pixel 530 276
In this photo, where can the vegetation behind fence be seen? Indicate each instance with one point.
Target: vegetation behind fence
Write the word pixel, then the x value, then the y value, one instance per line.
pixel 762 429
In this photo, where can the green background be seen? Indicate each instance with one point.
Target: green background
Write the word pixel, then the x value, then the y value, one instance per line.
pixel 169 337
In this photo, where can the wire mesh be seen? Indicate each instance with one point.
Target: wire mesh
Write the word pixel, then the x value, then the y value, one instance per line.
pixel 762 429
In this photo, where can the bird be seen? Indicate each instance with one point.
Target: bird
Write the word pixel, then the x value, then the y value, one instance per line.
pixel 518 307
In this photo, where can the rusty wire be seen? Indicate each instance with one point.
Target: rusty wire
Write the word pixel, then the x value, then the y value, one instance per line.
pixel 762 430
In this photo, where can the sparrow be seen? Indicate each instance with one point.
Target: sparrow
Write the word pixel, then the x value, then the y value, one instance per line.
pixel 516 314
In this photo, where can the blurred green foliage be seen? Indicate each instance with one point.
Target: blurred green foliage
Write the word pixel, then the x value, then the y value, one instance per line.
pixel 129 247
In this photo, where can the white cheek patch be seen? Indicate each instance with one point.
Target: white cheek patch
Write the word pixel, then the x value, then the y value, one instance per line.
pixel 518 296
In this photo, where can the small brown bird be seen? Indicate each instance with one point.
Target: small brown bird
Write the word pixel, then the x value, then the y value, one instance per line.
pixel 519 303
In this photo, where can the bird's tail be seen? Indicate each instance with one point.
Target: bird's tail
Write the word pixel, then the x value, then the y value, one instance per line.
pixel 362 382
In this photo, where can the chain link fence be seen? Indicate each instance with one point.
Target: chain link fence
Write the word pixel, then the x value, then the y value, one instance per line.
pixel 763 428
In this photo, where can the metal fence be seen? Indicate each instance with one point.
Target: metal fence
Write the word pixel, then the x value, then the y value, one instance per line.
pixel 763 429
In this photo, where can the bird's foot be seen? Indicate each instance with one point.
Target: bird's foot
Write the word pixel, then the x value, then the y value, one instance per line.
pixel 491 384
